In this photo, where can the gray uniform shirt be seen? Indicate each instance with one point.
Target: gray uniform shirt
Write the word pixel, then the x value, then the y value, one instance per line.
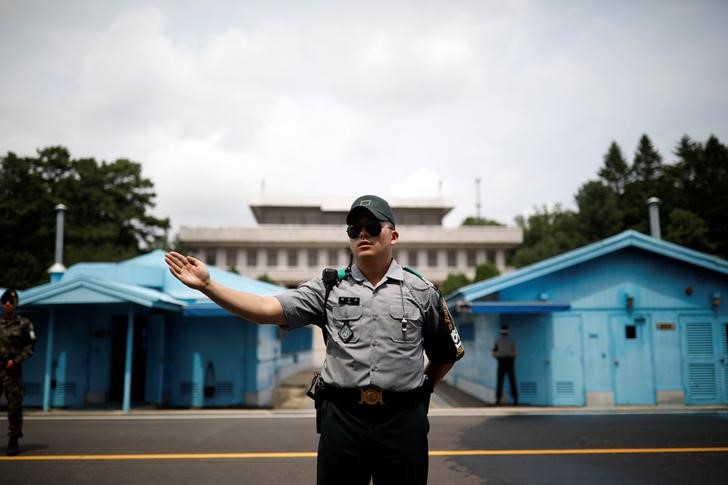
pixel 505 347
pixel 383 351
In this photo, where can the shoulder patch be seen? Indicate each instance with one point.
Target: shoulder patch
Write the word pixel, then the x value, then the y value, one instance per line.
pixel 420 282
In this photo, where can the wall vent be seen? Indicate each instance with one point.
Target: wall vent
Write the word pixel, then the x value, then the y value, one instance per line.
pixel 701 378
pixel 565 388
pixel 224 388
pixel 528 389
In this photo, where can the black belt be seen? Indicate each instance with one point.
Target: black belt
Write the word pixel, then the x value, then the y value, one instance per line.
pixel 371 396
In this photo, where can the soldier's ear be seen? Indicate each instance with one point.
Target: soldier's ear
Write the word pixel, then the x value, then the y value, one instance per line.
pixel 394 238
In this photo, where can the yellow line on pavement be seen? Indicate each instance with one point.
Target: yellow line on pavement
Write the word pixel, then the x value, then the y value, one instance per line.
pixel 308 454
pixel 588 451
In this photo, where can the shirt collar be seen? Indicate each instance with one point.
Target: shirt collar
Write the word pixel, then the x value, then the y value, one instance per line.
pixel 394 272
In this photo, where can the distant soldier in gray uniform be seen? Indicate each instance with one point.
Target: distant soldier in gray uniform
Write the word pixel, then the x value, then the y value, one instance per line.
pixel 379 320
pixel 505 351
pixel 17 342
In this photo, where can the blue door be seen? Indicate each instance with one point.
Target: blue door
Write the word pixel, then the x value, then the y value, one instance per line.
pixel 567 371
pixel 634 381
pixel 705 347
pixel 529 333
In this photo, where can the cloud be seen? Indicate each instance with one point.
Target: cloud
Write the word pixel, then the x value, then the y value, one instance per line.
pixel 334 99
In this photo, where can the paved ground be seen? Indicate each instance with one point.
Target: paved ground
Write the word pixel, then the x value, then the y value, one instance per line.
pixel 468 446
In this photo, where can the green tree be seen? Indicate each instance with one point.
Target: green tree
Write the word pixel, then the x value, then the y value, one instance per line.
pixel 453 282
pixel 485 271
pixel 702 185
pixel 600 213
pixel 107 216
pixel 480 221
pixel 645 182
pixel 615 171
pixel 688 229
pixel 267 279
pixel 547 233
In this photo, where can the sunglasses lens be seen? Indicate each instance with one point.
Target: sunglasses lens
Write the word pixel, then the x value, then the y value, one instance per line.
pixel 373 229
pixel 353 231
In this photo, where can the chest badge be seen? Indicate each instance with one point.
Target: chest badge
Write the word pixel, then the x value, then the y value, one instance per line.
pixel 345 334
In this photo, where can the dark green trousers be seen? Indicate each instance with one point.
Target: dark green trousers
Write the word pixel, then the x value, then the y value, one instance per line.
pixel 11 383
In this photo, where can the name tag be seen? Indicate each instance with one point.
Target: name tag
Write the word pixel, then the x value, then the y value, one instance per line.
pixel 348 300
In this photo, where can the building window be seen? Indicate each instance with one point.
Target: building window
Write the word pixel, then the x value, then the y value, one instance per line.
pixel 490 255
pixel 432 258
pixel 292 258
pixel 470 257
pixel 412 257
pixel 272 257
pixel 630 332
pixel 313 257
pixel 333 257
pixel 252 257
pixel 211 257
pixel 452 258
pixel 232 257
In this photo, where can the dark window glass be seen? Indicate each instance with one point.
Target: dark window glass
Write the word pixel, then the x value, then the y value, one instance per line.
pixel 292 258
pixel 272 257
pixel 431 258
pixel 232 257
pixel 630 332
pixel 252 257
pixel 452 258
pixel 313 257
pixel 211 257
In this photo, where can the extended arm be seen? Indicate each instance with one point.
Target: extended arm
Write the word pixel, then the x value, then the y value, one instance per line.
pixel 194 273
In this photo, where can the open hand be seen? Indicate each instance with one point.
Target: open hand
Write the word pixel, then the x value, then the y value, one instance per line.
pixel 189 270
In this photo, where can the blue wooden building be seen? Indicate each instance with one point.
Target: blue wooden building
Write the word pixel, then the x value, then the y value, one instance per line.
pixel 127 334
pixel 629 320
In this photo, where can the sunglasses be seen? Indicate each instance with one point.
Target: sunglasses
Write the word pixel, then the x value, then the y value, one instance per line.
pixel 374 229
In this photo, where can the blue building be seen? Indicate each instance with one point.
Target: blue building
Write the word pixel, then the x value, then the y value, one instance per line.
pixel 628 320
pixel 125 334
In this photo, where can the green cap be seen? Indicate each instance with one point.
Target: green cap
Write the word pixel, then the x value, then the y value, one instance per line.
pixel 376 206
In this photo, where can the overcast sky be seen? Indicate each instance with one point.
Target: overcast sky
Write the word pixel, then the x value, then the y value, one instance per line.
pixel 336 99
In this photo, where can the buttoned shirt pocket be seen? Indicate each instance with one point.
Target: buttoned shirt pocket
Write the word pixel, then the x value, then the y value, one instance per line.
pixel 349 315
pixel 412 332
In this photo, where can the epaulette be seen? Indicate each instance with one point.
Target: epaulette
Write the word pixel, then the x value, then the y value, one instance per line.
pixel 419 275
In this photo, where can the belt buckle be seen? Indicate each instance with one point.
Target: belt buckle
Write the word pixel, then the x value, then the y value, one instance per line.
pixel 371 396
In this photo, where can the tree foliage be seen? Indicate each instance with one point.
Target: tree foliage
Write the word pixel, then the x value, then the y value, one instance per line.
pixel 455 281
pixel 693 192
pixel 481 221
pixel 107 216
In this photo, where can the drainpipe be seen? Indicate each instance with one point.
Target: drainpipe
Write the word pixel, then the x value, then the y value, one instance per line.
pixel 56 271
pixel 653 203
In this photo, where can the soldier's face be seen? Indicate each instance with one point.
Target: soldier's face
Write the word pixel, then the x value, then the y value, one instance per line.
pixel 9 306
pixel 368 246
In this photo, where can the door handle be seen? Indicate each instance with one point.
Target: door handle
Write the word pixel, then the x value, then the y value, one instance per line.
pixel 616 362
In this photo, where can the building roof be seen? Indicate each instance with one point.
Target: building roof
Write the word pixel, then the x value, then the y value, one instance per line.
pixel 144 280
pixel 626 239
pixel 344 204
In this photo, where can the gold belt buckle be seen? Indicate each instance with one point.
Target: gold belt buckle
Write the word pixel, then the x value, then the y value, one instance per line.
pixel 371 396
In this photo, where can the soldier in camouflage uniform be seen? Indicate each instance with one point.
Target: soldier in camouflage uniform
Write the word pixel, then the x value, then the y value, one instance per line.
pixel 17 341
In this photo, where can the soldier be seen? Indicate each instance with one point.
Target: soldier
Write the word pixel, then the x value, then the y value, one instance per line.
pixel 505 352
pixel 379 320
pixel 17 342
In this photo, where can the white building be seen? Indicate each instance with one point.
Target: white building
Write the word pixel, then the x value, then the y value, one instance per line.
pixel 296 238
